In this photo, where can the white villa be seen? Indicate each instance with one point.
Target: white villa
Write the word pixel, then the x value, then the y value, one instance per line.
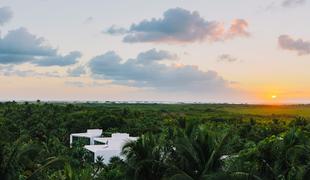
pixel 90 134
pixel 106 147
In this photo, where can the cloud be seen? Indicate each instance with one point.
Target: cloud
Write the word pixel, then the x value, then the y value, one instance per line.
pixel 284 4
pixel 153 55
pixel 226 58
pixel 238 28
pixel 6 15
pixel 58 60
pixel 77 84
pixel 88 20
pixel 21 42
pixel 300 46
pixel 77 71
pixel 20 46
pixel 293 3
pixel 156 74
pixel 181 26
pixel 115 30
pixel 10 70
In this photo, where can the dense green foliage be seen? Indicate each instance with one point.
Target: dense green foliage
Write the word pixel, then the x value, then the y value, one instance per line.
pixel 183 141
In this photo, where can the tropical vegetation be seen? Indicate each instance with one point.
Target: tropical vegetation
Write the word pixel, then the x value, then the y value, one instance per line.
pixel 177 141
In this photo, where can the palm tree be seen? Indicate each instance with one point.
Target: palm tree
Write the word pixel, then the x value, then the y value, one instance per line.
pixel 145 158
pixel 285 156
pixel 52 161
pixel 16 157
pixel 26 160
pixel 198 153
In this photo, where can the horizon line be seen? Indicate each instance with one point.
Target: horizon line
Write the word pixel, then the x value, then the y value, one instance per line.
pixel 151 102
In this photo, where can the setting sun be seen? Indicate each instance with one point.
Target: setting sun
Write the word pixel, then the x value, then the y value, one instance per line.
pixel 217 89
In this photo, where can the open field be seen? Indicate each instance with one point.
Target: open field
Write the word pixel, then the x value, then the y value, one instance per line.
pixel 285 110
pixel 222 111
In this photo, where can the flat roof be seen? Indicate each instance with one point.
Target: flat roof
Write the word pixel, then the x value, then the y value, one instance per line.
pixel 95 148
pixel 84 135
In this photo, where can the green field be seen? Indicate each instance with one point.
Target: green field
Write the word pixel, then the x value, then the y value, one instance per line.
pixel 269 110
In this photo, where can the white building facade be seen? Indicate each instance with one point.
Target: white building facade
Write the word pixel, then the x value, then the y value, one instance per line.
pixel 105 147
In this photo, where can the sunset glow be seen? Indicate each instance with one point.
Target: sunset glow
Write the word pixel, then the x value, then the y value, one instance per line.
pixel 206 51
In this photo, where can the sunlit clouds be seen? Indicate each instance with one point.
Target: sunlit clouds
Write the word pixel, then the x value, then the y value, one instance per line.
pixel 180 26
pixel 19 46
pixel 207 51
pixel 300 46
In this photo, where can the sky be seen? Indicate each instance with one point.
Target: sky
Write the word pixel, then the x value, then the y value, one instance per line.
pixel 241 51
